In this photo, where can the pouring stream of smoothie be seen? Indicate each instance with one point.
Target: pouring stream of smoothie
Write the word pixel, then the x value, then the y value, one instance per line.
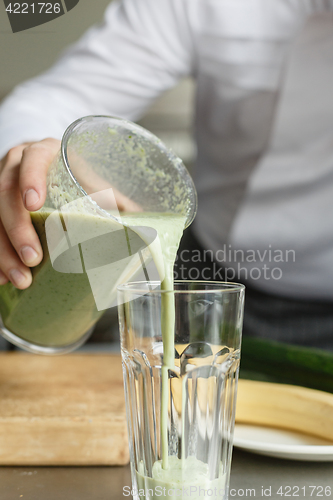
pixel 169 228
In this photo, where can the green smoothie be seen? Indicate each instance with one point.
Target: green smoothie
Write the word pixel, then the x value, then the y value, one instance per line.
pixel 183 479
pixel 57 309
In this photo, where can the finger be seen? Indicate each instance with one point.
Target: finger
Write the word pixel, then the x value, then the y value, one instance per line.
pixel 13 157
pixel 36 159
pixel 3 279
pixel 11 266
pixel 100 189
pixel 15 219
pixel 125 204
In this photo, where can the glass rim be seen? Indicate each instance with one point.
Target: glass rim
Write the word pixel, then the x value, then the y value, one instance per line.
pixel 219 287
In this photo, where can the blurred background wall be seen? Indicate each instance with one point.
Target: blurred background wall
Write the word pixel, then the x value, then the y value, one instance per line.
pixel 26 54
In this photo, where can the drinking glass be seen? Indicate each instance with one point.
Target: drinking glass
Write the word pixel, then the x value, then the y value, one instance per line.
pixel 181 415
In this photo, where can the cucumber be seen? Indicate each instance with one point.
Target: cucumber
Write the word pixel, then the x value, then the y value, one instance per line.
pixel 272 361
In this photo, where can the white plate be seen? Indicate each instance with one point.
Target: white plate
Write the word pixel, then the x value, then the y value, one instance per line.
pixel 282 443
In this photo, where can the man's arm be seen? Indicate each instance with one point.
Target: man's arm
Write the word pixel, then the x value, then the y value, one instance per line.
pixel 143 48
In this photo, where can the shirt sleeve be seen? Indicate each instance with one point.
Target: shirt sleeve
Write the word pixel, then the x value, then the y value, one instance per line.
pixel 119 68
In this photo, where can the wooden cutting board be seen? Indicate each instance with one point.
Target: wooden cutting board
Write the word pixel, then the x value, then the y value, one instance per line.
pixel 67 410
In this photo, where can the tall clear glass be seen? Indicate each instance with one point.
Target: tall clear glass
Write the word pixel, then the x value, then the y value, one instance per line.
pixel 181 415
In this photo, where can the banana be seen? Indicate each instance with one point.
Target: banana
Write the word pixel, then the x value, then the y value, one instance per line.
pixel 285 406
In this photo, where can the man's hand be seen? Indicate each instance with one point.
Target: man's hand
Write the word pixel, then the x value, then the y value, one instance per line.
pixel 22 190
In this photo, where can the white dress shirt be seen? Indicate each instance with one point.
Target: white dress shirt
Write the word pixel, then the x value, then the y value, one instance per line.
pixel 263 125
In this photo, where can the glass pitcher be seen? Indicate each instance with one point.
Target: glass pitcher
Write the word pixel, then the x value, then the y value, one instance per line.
pixel 106 166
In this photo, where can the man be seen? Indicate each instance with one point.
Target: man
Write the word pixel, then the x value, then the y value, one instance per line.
pixel 263 127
